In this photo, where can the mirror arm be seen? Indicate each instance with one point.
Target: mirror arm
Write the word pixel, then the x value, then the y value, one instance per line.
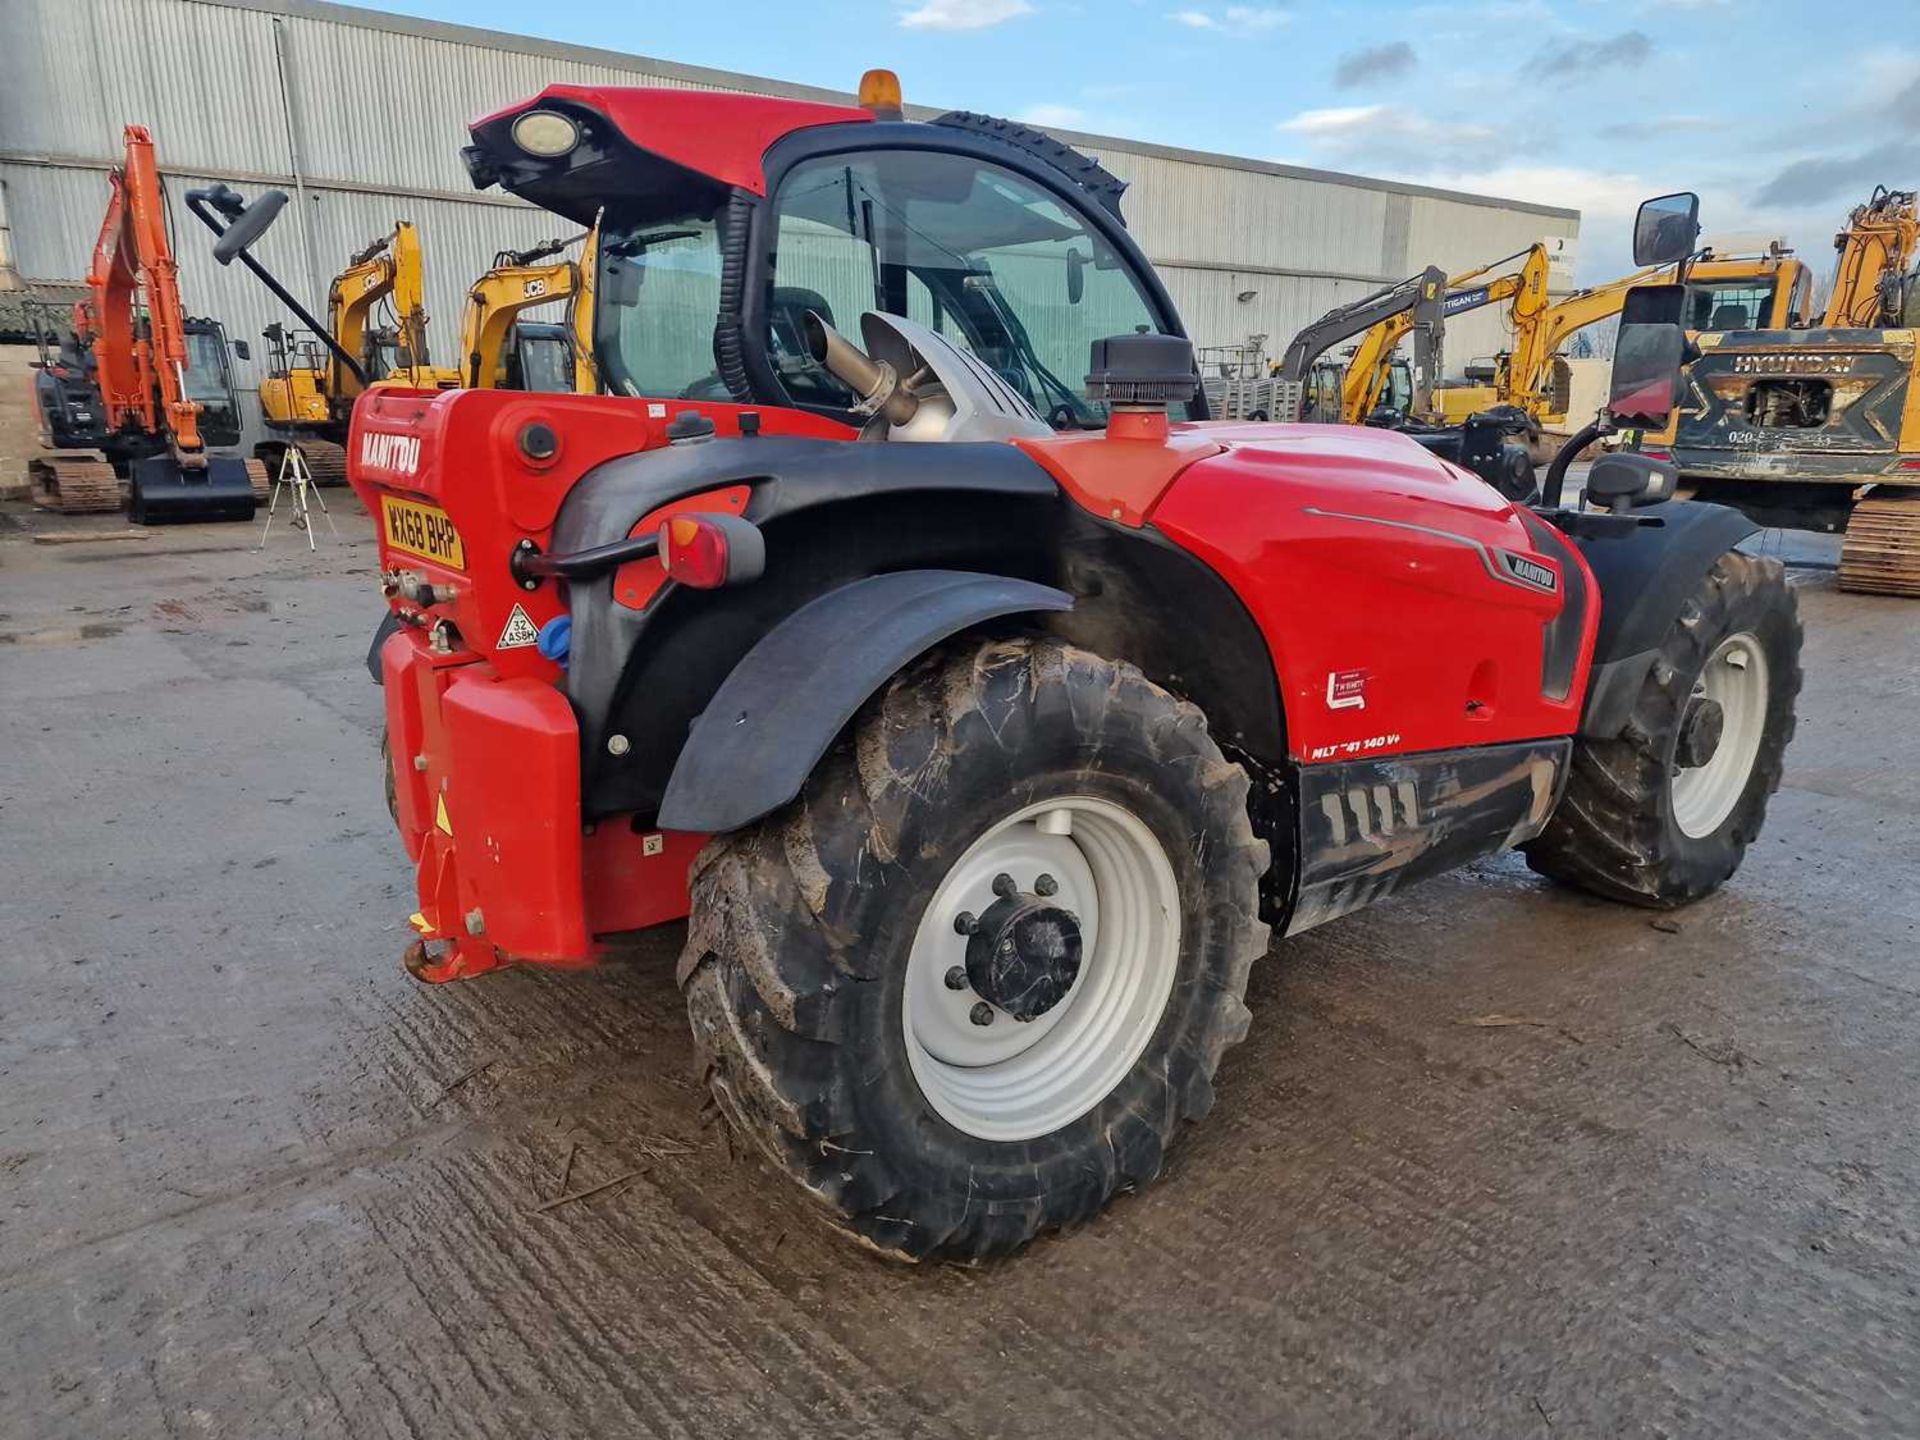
pixel 197 201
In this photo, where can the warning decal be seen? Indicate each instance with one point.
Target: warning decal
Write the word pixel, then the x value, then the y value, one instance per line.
pixel 518 633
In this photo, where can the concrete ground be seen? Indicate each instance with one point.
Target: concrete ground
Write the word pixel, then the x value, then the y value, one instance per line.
pixel 1496 1159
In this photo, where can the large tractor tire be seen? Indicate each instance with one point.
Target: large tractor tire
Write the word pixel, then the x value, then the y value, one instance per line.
pixel 1663 814
pixel 966 988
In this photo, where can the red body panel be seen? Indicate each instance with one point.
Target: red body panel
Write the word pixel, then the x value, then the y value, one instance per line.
pixel 1369 566
pixel 1371 569
pixel 487 730
pixel 712 133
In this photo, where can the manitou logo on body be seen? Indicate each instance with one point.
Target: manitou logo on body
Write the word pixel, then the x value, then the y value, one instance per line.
pixel 396 454
pixel 1530 572
pixel 1347 690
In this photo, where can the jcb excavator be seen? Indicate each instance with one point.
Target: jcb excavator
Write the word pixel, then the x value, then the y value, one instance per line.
pixel 310 401
pixel 501 351
pixel 1774 289
pixel 165 390
pixel 1820 427
pixel 1418 306
pixel 315 374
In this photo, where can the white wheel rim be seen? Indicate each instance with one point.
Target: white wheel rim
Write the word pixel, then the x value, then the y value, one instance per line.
pixel 1734 678
pixel 1010 1080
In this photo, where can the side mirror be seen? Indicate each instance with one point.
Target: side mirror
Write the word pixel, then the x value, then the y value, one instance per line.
pixel 1666 229
pixel 242 350
pixel 249 225
pixel 1076 276
pixel 1623 480
pixel 1645 386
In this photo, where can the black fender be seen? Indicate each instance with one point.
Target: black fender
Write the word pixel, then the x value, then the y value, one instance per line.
pixel 389 623
pixel 781 706
pixel 1644 575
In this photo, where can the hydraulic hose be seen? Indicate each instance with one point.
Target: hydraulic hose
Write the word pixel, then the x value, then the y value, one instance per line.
pixel 1550 490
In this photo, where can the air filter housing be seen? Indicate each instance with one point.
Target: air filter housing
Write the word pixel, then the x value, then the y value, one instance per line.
pixel 1142 370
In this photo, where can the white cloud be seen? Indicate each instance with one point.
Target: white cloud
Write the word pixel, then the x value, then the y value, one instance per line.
pixel 1059 117
pixel 1391 135
pixel 1239 19
pixel 963 14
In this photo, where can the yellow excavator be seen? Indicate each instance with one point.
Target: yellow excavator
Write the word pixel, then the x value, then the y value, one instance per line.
pixel 315 374
pixel 307 398
pixel 1771 289
pixel 500 350
pixel 1874 270
pixel 1819 428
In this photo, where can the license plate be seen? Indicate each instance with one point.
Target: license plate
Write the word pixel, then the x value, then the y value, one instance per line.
pixel 422 530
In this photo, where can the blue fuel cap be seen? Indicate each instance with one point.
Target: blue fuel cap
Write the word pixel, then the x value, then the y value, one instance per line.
pixel 556 639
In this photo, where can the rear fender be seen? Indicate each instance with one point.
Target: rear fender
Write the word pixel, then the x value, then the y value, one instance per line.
pixel 781 706
pixel 1645 574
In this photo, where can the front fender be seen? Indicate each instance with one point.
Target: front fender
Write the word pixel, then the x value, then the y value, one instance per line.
pixel 779 709
pixel 1644 575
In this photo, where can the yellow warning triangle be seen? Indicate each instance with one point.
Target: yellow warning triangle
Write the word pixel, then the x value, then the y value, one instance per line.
pixel 440 814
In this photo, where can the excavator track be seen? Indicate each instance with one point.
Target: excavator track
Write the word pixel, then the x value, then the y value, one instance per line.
pixel 1881 552
pixel 258 478
pixel 326 462
pixel 74 484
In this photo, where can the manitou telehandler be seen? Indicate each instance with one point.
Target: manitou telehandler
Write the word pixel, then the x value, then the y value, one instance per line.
pixel 165 389
pixel 984 723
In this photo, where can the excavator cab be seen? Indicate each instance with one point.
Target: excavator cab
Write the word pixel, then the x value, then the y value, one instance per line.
pixel 209 379
pixel 540 358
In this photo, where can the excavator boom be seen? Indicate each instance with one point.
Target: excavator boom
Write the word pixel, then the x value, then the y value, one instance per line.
pixel 1873 277
pixel 490 331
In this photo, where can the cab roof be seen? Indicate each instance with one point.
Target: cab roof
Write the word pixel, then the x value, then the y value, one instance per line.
pixel 717 136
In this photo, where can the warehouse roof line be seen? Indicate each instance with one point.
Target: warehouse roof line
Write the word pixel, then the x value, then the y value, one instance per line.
pixel 327 11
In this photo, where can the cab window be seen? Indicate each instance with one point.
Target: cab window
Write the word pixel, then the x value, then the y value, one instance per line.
pixel 994 262
pixel 657 296
pixel 1729 305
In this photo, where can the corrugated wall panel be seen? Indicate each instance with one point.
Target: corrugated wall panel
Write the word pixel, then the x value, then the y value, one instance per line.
pixel 427 90
pixel 200 77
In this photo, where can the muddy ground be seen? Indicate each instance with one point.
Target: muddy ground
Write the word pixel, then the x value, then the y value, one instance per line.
pixel 256 1182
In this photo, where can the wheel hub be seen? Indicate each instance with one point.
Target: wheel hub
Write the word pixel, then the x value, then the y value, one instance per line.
pixel 1024 952
pixel 1700 731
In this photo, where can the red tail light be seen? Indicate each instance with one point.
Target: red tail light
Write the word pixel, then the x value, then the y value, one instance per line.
pixel 1657 454
pixel 708 551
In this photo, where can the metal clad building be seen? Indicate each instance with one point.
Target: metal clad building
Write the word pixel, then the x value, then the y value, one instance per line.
pixel 360 116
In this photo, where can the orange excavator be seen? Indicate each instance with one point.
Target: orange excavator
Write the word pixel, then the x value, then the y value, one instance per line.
pixel 165 388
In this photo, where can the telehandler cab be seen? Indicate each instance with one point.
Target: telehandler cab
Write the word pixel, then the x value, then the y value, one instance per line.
pixel 984 721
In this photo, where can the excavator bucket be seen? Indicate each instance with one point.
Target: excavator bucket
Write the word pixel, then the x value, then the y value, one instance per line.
pixel 167 493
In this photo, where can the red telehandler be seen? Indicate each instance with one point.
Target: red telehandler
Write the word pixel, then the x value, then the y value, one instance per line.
pixel 983 725
pixel 165 388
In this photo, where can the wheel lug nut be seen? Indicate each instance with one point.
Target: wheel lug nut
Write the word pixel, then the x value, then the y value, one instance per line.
pixel 957 978
pixel 964 923
pixel 1003 885
pixel 1045 885
pixel 981 1014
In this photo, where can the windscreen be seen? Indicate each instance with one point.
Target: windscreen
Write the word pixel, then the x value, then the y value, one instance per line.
pixel 207 368
pixel 997 264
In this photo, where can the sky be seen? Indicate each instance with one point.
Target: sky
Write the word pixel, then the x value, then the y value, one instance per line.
pixel 1782 114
